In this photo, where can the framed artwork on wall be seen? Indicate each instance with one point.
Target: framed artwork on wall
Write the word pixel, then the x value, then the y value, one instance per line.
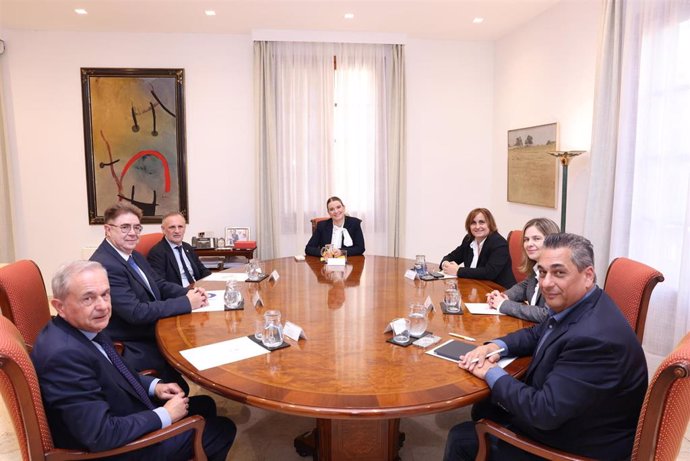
pixel 134 137
pixel 532 173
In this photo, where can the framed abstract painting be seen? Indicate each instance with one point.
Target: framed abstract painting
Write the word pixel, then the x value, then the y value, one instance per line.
pixel 134 136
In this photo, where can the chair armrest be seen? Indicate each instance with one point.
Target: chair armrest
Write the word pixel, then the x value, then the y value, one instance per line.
pixel 195 423
pixel 486 427
pixel 119 347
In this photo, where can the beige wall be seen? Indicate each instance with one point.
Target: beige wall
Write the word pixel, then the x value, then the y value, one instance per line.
pixel 461 96
pixel 545 73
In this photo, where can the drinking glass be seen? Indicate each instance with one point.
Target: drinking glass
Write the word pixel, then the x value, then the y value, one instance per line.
pixel 232 297
pixel 327 251
pixel 253 270
pixel 259 328
pixel 273 330
pixel 420 265
pixel 418 319
pixel 452 300
pixel 403 336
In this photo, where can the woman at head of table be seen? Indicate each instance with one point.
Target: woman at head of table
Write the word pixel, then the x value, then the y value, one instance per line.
pixel 483 253
pixel 523 300
pixel 340 231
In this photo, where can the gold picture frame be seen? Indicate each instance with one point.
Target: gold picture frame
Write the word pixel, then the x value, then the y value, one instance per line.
pixel 532 173
pixel 134 136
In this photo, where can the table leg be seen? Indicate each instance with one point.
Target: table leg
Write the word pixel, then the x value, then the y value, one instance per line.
pixel 347 439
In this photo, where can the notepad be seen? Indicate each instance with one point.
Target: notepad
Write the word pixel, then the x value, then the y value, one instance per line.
pixel 453 349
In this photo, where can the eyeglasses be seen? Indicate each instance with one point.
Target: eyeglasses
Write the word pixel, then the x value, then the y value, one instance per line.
pixel 127 228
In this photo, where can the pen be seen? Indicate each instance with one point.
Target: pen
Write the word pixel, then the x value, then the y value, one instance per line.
pixel 489 355
pixel 457 335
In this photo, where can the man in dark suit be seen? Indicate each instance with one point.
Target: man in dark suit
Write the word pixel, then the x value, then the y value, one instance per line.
pixel 583 391
pixel 173 259
pixel 139 295
pixel 93 400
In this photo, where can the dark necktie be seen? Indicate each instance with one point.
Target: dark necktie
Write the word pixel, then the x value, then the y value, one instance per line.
pixel 190 278
pixel 140 273
pixel 116 360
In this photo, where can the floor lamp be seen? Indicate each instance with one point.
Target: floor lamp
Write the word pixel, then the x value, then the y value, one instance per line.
pixel 564 156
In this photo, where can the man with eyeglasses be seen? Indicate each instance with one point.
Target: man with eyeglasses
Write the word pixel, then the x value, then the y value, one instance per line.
pixel 139 295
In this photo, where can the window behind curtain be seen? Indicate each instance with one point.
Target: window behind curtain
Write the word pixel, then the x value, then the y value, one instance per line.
pixel 330 139
pixel 660 210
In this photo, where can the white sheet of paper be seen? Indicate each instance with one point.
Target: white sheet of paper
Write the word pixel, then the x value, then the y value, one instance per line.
pixel 428 304
pixel 256 299
pixel 293 331
pixel 225 276
pixel 481 309
pixel 216 302
pixel 336 261
pixel 410 274
pixel 274 276
pixel 448 276
pixel 214 355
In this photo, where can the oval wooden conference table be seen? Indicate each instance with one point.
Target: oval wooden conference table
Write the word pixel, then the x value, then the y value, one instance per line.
pixel 345 374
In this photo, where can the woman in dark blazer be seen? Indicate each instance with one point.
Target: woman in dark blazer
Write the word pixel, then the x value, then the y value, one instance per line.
pixel 493 258
pixel 523 300
pixel 342 232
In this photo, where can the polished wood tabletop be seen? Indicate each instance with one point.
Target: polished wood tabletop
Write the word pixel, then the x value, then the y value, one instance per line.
pixel 345 369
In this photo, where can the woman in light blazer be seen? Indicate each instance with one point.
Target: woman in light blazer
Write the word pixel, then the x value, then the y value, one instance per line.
pixel 523 300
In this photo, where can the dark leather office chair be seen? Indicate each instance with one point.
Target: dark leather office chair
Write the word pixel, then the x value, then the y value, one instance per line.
pixel 23 298
pixel 147 241
pixel 660 428
pixel 22 394
pixel 515 249
pixel 630 283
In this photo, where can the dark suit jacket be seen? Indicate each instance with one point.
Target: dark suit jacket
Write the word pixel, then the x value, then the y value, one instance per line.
pixel 164 261
pixel 520 293
pixel 135 310
pixel 583 391
pixel 324 232
pixel 89 404
pixel 493 264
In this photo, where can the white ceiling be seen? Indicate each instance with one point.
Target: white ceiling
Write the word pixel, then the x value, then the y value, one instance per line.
pixel 430 19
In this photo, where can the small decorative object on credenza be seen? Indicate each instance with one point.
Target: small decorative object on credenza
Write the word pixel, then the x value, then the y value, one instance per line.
pixel 564 156
pixel 245 244
pixel 236 234
pixel 203 242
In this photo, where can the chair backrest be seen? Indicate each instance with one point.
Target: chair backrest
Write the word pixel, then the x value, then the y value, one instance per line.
pixel 23 298
pixel 22 395
pixel 515 249
pixel 315 221
pixel 630 283
pixel 666 408
pixel 147 241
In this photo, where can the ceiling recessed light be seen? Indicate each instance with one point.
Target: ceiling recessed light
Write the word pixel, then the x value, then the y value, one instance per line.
pixel 478 20
pixel 210 13
pixel 349 15
pixel 80 11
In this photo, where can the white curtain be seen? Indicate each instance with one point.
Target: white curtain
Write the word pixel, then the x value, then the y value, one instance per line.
pixel 324 121
pixel 6 233
pixel 641 155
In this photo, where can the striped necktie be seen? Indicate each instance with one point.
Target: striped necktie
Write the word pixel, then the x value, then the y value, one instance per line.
pixel 116 360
